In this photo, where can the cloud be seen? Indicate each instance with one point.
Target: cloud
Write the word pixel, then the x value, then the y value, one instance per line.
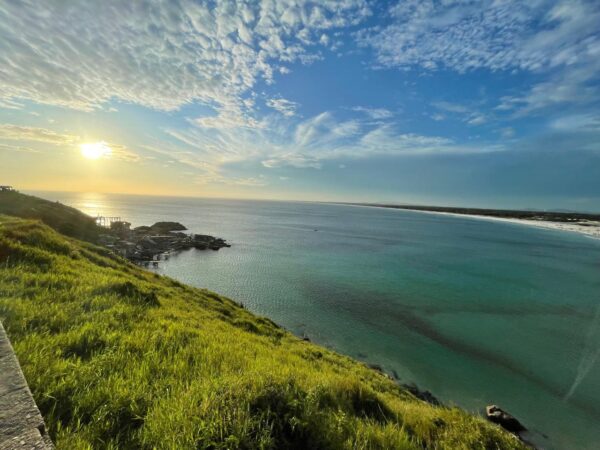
pixel 292 159
pixel 577 122
pixel 285 107
pixel 231 181
pixel 228 116
pixel 498 35
pixel 23 133
pixel 451 107
pixel 374 113
pixel 577 85
pixel 17 148
pixel 476 119
pixel 43 135
pixel 8 103
pixel 507 132
pixel 159 54
pixel 467 114
pixel 307 143
pixel 123 153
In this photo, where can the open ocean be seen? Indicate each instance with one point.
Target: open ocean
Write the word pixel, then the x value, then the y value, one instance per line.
pixel 475 311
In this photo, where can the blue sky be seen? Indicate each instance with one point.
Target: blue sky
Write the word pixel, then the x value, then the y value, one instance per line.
pixel 476 103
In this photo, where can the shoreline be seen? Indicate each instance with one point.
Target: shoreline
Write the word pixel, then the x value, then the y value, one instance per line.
pixel 592 231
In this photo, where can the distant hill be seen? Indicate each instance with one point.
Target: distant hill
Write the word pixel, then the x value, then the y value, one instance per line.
pixel 64 219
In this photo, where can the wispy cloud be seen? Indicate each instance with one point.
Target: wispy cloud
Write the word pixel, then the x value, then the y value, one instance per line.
pixel 451 107
pixel 17 148
pixel 500 35
pixel 466 113
pixel 21 133
pixel 577 122
pixel 308 143
pixel 285 107
pixel 42 135
pixel 574 85
pixel 375 113
pixel 123 153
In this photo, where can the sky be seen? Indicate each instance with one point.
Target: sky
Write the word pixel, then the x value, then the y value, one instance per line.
pixel 491 103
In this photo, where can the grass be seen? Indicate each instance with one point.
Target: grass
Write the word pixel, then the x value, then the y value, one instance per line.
pixel 66 220
pixel 121 358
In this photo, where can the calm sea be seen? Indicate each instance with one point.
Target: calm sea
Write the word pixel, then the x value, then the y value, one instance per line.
pixel 476 311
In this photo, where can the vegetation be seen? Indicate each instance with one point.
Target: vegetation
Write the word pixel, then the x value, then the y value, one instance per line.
pixel 64 219
pixel 553 216
pixel 119 357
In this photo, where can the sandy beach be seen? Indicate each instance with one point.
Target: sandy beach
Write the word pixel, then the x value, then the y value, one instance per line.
pixel 588 228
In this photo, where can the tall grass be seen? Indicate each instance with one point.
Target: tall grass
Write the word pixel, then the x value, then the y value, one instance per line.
pixel 120 358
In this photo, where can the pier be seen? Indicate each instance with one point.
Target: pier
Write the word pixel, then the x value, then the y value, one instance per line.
pixel 106 222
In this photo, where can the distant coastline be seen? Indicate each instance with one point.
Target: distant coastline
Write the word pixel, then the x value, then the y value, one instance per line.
pixel 582 223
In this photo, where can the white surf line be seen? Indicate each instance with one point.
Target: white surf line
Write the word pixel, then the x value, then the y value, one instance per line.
pixel 592 231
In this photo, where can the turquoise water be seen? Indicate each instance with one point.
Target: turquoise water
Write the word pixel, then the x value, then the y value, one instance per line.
pixel 476 311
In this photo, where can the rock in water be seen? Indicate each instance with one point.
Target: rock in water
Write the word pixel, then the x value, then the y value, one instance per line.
pixel 166 227
pixel 505 420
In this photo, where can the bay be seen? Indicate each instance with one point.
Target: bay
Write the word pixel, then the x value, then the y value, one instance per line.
pixel 475 311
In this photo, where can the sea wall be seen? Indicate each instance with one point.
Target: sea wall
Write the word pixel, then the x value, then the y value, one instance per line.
pixel 21 424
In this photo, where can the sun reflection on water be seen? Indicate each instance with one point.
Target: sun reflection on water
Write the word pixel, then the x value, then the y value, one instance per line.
pixel 93 204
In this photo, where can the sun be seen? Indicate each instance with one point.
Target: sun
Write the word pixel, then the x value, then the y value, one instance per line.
pixel 95 150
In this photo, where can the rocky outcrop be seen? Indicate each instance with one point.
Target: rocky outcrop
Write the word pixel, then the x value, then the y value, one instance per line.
pixel 147 243
pixel 497 415
pixel 204 242
pixel 166 227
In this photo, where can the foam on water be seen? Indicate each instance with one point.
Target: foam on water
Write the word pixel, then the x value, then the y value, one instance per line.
pixel 590 354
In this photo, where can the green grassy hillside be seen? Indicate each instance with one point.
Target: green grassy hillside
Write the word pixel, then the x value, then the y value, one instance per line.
pixel 118 357
pixel 62 218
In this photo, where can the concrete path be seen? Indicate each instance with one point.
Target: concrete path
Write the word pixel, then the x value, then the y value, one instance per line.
pixel 21 424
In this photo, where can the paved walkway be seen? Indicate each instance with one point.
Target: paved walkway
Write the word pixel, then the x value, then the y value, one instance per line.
pixel 21 424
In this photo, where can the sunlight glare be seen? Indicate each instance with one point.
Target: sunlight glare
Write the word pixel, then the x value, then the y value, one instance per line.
pixel 95 150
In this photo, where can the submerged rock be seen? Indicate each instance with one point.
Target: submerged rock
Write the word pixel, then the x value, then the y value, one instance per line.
pixel 497 415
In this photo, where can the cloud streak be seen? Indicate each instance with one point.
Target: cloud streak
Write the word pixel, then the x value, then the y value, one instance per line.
pixel 22 133
pixel 19 133
pixel 308 143
pixel 285 107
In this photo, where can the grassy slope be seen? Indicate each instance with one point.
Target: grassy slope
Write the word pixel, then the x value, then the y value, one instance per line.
pixel 64 219
pixel 118 357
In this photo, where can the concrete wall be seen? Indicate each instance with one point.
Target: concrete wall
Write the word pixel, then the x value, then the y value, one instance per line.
pixel 21 424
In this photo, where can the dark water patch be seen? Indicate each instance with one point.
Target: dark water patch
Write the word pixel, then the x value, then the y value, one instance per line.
pixel 387 315
pixel 525 309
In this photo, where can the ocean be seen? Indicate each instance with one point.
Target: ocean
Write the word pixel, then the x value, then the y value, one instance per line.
pixel 476 311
